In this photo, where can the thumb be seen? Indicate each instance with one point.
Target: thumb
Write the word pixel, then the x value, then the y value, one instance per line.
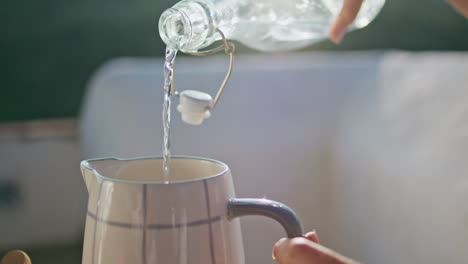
pixel 312 236
pixel 301 250
pixel 346 17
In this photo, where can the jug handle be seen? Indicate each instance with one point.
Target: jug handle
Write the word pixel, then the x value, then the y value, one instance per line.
pixel 269 208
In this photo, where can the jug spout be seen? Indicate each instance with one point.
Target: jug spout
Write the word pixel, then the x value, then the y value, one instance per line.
pixel 95 169
pixel 88 173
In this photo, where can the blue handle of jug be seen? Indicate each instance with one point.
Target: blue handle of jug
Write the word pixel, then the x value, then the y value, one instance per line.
pixel 269 208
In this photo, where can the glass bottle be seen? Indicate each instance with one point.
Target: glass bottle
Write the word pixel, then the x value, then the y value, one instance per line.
pixel 266 25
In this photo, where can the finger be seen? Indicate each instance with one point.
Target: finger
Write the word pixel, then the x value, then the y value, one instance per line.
pixel 298 250
pixel 312 236
pixel 301 250
pixel 461 6
pixel 346 17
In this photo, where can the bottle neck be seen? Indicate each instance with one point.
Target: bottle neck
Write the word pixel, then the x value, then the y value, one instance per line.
pixel 187 26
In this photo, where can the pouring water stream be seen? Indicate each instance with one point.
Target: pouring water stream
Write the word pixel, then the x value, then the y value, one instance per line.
pixel 166 113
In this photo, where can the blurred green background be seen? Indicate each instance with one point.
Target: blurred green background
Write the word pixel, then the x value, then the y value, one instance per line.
pixel 51 47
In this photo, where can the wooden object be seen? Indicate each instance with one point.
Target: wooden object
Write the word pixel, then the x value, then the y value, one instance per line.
pixel 16 257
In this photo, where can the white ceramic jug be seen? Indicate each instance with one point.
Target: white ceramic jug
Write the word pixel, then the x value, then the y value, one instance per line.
pixel 136 216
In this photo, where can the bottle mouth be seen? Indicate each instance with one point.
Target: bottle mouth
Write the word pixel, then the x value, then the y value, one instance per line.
pixel 175 28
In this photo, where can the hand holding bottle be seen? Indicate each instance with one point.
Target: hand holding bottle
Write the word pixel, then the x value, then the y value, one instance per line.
pixel 351 8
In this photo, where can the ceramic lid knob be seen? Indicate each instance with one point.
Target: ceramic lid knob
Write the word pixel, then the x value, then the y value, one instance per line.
pixel 194 106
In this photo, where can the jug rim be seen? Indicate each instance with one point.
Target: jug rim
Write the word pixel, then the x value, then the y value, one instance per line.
pixel 85 164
